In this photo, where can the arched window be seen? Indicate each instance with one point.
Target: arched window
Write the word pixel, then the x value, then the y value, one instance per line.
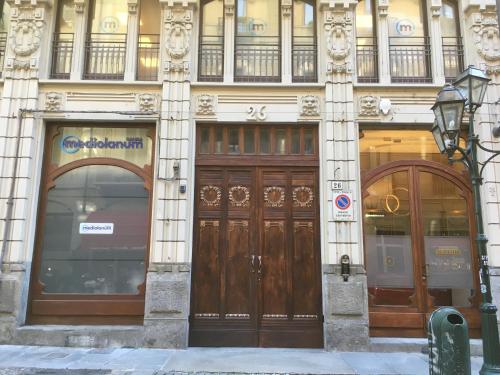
pixel 304 53
pixel 211 53
pixel 366 42
pixel 453 52
pixel 409 45
pixel 257 41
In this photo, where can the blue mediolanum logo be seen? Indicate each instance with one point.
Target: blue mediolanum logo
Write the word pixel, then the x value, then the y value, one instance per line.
pixel 72 144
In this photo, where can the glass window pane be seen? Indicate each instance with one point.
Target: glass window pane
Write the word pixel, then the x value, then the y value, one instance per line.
pixel 109 17
pixel 75 143
pixel 219 141
pixel 295 141
pixel 5 20
pixel 406 19
pixel 447 241
pixel 364 19
pixel 265 141
pixel 388 245
pixel 449 20
pixel 96 232
pixel 249 141
pixel 65 16
pixel 308 142
pixel 234 141
pixel 204 140
pixel 378 147
pixel 280 141
pixel 149 21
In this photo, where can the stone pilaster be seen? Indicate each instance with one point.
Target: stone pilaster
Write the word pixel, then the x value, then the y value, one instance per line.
pixel 344 327
pixel 436 42
pixel 229 30
pixel 172 220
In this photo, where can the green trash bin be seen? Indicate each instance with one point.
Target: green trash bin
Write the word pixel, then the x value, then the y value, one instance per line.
pixel 449 351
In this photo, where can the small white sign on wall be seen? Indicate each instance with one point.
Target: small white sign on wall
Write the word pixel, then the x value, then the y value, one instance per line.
pixel 343 207
pixel 97 228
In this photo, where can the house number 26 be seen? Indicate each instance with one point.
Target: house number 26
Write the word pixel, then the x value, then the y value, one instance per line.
pixel 256 114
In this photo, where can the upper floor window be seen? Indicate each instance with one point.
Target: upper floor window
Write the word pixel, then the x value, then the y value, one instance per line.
pixel 62 43
pixel 148 48
pixel 409 47
pixel 106 43
pixel 453 52
pixel 257 41
pixel 366 42
pixel 4 27
pixel 304 54
pixel 211 53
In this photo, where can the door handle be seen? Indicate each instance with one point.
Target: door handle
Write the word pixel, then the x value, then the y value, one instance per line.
pixel 259 270
pixel 425 270
pixel 252 262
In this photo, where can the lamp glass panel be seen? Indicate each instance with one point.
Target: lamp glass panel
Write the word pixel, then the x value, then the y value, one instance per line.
pixel 439 118
pixel 452 115
pixel 463 87
pixel 438 138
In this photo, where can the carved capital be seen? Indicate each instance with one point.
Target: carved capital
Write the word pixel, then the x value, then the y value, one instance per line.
pixel 229 7
pixel 132 6
pixel 80 6
pixel 333 68
pixel 491 70
pixel 286 8
pixel 436 8
pixel 383 6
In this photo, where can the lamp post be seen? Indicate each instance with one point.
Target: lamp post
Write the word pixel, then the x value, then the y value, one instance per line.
pixel 467 93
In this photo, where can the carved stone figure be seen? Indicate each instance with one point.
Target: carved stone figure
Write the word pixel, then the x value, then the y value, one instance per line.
pixel 310 105
pixel 147 103
pixel 338 28
pixel 53 101
pixel 206 104
pixel 368 106
pixel 25 38
pixel 487 37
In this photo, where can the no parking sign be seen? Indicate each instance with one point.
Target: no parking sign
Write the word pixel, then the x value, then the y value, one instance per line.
pixel 343 206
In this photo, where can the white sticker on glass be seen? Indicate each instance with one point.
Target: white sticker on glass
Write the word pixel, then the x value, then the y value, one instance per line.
pixel 96 228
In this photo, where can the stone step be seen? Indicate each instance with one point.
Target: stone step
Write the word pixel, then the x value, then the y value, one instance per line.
pixel 414 345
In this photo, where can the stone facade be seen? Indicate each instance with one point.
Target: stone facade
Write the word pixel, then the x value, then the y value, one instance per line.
pixel 176 102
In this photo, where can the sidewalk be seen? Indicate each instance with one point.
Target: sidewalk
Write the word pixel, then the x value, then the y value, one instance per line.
pixel 31 360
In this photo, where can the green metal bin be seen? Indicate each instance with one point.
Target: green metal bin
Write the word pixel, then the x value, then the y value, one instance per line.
pixel 449 350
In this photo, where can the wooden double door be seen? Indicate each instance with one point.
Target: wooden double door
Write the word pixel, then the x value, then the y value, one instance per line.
pixel 256 277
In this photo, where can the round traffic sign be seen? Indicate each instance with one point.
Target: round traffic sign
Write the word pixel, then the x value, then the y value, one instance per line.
pixel 343 202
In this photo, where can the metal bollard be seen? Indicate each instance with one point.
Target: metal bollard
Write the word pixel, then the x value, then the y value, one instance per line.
pixel 449 351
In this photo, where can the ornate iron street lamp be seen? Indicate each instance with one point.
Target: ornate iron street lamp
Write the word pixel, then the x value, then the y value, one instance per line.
pixel 467 93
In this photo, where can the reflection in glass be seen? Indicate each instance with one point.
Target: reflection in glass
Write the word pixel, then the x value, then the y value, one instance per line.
pixel 265 141
pixel 234 141
pixel 308 142
pixel 95 232
pixel 219 140
pixel 205 140
pixel 388 245
pixel 280 138
pixel 304 42
pixel 295 141
pixel 148 47
pixel 447 241
pixel 249 141
pixel 212 41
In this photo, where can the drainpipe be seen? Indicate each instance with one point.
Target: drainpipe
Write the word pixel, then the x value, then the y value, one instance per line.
pixel 10 199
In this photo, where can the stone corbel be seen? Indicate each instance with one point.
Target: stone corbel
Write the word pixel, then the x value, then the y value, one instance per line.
pixel 383 6
pixel 178 3
pixel 132 6
pixel 332 4
pixel 436 8
pixel 286 8
pixel 229 7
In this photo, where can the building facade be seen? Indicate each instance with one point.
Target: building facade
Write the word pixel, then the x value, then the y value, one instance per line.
pixel 238 173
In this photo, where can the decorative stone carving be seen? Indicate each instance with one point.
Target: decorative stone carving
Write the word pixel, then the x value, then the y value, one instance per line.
pixel 177 67
pixel 286 8
pixel 53 101
pixel 147 102
pixel 309 105
pixel 205 104
pixel 333 68
pixel 79 6
pixel 229 7
pixel 385 106
pixel 338 28
pixel 132 6
pixel 211 195
pixel 436 8
pixel 302 196
pixel 368 106
pixel 487 36
pixel 274 196
pixel 491 70
pixel 178 24
pixel 26 37
pixel 239 196
pixel 383 7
